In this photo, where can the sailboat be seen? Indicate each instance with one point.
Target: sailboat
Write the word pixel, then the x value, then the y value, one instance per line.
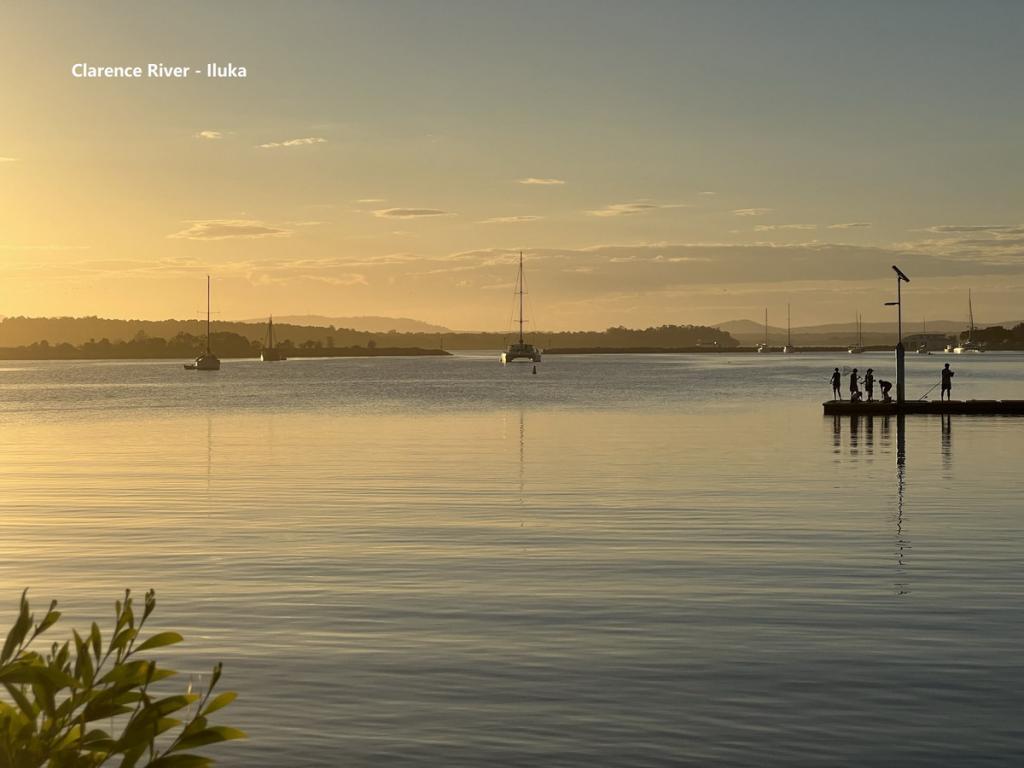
pixel 789 348
pixel 969 347
pixel 858 348
pixel 520 350
pixel 763 346
pixel 270 353
pixel 922 348
pixel 206 361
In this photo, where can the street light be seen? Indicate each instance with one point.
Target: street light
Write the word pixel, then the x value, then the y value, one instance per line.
pixel 900 279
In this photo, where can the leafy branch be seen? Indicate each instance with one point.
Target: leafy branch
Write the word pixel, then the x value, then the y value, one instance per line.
pixel 60 697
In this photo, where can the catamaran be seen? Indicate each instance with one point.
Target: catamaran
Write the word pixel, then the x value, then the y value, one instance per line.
pixel 270 353
pixel 858 348
pixel 969 346
pixel 520 350
pixel 789 348
pixel 763 346
pixel 206 361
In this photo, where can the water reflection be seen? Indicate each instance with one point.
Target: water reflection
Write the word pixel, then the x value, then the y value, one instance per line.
pixel 860 444
pixel 946 449
pixel 902 542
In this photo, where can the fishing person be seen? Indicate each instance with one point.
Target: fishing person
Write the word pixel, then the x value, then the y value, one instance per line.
pixel 837 379
pixel 884 386
pixel 869 384
pixel 947 383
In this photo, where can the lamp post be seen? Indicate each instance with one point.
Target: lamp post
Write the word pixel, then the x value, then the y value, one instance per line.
pixel 900 371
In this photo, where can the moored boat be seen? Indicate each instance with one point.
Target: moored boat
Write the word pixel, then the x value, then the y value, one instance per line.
pixel 521 349
pixel 271 353
pixel 206 361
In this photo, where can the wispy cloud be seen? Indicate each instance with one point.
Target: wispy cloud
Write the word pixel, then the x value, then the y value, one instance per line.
pixel 223 229
pixel 633 209
pixel 8 159
pixel 851 225
pixel 773 227
pixel 533 180
pixel 209 135
pixel 409 213
pixel 349 279
pixel 707 194
pixel 510 219
pixel 370 200
pixel 974 243
pixel 294 142
pixel 968 228
pixel 751 211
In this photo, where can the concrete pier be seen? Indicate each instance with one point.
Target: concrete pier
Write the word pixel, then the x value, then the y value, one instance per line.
pixel 912 407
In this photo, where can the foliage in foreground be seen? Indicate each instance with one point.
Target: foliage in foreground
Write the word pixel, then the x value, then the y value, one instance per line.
pixel 84 704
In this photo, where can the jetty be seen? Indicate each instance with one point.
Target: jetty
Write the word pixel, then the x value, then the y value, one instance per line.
pixel 924 407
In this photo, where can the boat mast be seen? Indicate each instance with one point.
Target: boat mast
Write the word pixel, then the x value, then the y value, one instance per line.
pixel 520 297
pixel 766 327
pixel 789 330
pixel 970 312
pixel 207 314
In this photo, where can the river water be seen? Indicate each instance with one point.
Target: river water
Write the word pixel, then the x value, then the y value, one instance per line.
pixel 624 560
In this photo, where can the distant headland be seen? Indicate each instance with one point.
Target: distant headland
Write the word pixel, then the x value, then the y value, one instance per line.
pixel 66 338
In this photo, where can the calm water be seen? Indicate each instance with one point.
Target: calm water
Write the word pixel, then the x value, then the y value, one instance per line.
pixel 621 561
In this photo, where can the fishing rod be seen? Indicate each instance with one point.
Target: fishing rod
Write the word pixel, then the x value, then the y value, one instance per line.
pixel 922 397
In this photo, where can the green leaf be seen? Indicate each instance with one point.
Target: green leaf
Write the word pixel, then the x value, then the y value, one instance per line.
pixel 18 631
pixel 159 641
pixel 174 703
pixel 48 621
pixel 97 641
pixel 220 701
pixel 181 761
pixel 122 639
pixel 22 701
pixel 214 735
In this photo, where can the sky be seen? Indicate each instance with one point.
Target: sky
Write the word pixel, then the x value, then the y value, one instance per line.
pixel 656 162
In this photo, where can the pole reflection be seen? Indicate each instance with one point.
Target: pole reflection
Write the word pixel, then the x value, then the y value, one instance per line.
pixel 902 542
pixel 860 444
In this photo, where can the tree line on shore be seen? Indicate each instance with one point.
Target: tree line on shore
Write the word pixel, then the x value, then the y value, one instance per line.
pixel 998 337
pixel 185 345
pixel 66 337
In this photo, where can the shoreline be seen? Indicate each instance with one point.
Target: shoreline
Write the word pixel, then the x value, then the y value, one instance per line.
pixel 14 355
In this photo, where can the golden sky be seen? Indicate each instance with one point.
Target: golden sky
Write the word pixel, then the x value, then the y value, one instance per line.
pixel 657 163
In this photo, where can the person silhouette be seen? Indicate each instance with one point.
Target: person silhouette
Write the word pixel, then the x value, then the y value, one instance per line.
pixel 854 387
pixel 884 386
pixel 946 392
pixel 869 383
pixel 837 379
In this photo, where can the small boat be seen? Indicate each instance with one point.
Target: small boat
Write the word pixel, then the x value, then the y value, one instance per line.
pixel 858 348
pixel 763 346
pixel 969 346
pixel 922 348
pixel 789 348
pixel 270 352
pixel 520 350
pixel 206 361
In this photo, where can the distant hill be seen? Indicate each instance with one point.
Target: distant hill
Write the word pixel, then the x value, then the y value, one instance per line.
pixel 750 332
pixel 369 323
